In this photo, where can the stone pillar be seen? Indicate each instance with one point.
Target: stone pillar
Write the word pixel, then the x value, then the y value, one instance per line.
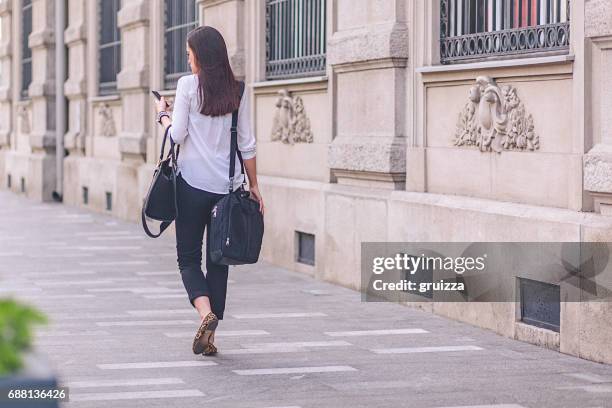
pixel 75 87
pixel 368 53
pixel 5 68
pixel 133 80
pixel 598 161
pixel 5 84
pixel 228 16
pixel 136 115
pixel 41 177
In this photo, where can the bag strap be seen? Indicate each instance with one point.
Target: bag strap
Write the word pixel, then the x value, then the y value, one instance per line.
pixel 234 143
pixel 162 226
pixel 173 145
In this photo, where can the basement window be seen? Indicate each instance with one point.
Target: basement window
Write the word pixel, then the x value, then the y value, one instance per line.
pixel 540 304
pixel 305 248
pixel 85 195
pixel 109 201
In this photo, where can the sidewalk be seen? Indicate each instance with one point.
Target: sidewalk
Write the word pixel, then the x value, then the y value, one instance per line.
pixel 121 332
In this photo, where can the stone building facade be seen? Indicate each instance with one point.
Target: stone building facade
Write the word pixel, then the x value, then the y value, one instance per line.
pixel 376 120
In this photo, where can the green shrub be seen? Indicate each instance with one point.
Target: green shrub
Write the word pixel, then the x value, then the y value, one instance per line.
pixel 16 322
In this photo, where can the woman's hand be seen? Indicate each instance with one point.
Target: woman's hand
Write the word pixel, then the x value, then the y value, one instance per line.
pixel 254 190
pixel 161 105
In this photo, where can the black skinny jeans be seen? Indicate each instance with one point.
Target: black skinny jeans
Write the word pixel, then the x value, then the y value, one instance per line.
pixel 194 207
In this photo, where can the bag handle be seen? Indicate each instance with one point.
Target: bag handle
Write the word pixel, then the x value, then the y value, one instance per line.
pixel 234 144
pixel 174 155
pixel 162 226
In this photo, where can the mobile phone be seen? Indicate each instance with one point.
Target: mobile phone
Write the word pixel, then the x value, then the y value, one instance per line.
pixel 158 97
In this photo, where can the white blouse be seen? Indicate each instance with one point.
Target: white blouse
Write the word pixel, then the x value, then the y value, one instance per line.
pixel 204 156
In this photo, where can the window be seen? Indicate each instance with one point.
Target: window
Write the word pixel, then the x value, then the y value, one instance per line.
pixel 181 17
pixel 306 248
pixel 109 46
pixel 480 28
pixel 295 38
pixel 26 52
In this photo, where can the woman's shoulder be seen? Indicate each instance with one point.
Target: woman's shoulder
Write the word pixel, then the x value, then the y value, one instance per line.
pixel 187 81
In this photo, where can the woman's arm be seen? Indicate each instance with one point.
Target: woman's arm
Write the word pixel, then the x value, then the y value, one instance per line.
pixel 247 146
pixel 250 166
pixel 180 113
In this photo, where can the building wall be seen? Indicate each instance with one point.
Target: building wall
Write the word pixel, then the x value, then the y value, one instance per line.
pixel 380 161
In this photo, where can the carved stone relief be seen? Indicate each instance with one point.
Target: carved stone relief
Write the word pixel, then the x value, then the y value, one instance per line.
pixel 23 113
pixel 108 121
pixel 495 119
pixel 291 124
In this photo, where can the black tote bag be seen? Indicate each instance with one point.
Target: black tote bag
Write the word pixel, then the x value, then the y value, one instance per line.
pixel 236 226
pixel 160 202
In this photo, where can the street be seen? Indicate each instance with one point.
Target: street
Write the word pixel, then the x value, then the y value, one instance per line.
pixel 121 328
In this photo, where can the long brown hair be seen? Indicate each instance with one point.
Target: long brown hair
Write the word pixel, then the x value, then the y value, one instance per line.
pixel 218 90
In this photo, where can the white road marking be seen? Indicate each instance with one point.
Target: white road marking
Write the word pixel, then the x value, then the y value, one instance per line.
pixel 166 296
pixel 3 254
pixel 131 395
pixel 72 333
pixel 113 263
pixel 488 406
pixel 438 349
pixel 593 378
pixel 70 296
pixel 156 364
pixel 295 370
pixel 300 344
pixel 147 323
pixel 158 273
pixel 161 312
pixel 97 233
pixel 228 333
pixel 375 332
pixel 276 315
pixel 126 382
pixel 70 283
pixel 116 238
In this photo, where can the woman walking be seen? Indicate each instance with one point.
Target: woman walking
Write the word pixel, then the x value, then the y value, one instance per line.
pixel 201 122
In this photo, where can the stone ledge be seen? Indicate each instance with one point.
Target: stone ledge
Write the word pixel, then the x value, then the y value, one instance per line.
pixel 211 3
pixel 6 50
pixel 133 14
pixel 75 33
pixel 42 141
pixel 133 145
pixel 6 94
pixel 374 42
pixel 368 153
pixel 538 336
pixel 74 88
pixel 5 137
pixel 41 89
pixel 132 79
pixel 41 39
pixel 5 7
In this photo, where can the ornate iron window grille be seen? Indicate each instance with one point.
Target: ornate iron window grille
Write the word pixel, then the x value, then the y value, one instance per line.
pixel 109 47
pixel 295 38
pixel 26 52
pixel 181 16
pixel 471 29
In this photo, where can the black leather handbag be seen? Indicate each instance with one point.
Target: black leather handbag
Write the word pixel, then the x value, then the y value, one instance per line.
pixel 160 202
pixel 237 226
